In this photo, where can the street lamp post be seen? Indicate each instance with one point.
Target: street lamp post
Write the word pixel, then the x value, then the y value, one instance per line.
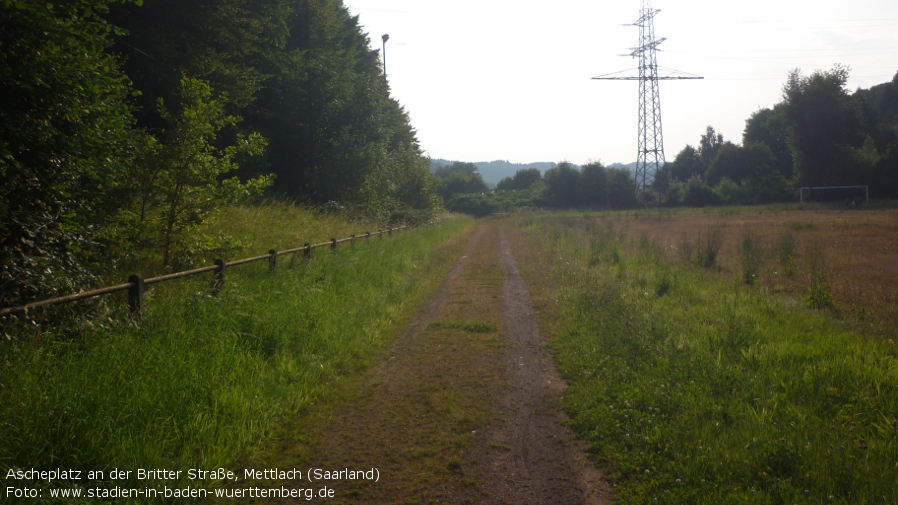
pixel 385 38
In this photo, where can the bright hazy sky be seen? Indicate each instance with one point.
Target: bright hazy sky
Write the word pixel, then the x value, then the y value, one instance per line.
pixel 510 79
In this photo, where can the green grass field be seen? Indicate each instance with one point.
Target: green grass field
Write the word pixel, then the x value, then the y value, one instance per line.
pixel 693 387
pixel 200 381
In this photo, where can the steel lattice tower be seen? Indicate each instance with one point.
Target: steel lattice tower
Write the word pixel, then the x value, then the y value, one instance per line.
pixel 650 156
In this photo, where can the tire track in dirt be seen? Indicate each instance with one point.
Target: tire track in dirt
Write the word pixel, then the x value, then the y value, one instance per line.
pixel 460 416
pixel 546 463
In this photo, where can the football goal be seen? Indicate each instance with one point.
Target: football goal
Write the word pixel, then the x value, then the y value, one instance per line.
pixel 852 194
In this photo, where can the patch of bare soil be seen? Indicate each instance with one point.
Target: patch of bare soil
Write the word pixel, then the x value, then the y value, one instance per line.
pixel 465 406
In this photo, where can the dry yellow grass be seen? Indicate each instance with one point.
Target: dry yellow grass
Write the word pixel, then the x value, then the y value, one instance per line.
pixel 860 250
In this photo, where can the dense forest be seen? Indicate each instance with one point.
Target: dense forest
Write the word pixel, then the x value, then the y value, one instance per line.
pixel 125 124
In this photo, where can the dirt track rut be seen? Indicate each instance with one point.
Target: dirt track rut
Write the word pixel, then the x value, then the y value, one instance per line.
pixel 455 414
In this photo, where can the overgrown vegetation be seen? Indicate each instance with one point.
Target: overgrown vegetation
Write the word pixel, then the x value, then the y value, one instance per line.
pixel 199 381
pixel 133 122
pixel 693 388
pixel 751 256
pixel 819 293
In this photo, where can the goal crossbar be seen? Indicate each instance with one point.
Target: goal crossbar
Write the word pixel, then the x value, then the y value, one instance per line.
pixel 810 188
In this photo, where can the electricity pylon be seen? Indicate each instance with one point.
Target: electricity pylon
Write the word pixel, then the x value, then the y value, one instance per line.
pixel 651 139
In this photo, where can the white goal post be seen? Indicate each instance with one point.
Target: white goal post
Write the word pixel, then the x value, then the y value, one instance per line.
pixel 866 191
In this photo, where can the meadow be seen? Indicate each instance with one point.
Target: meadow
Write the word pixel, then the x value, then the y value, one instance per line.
pixel 696 383
pixel 201 380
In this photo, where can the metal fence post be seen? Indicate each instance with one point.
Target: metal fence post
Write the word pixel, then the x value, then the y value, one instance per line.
pixel 352 240
pixel 135 292
pixel 307 253
pixel 273 260
pixel 390 231
pixel 333 244
pixel 218 283
pixel 367 235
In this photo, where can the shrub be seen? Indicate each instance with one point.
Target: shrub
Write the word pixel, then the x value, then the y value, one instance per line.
pixel 687 248
pixel 709 241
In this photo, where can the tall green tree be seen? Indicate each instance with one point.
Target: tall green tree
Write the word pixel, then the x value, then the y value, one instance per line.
pixel 66 135
pixel 768 126
pixel 459 178
pixel 825 127
pixel 708 145
pixel 302 74
pixel 523 179
pixel 564 184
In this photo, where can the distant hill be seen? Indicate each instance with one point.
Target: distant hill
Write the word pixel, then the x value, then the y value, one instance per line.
pixel 494 171
pixel 631 167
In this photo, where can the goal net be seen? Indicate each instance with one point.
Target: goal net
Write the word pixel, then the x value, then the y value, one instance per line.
pixel 853 196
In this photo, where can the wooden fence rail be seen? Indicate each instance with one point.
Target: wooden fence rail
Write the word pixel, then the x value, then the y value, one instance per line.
pixel 136 284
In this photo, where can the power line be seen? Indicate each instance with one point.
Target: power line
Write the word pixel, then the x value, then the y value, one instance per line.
pixel 650 138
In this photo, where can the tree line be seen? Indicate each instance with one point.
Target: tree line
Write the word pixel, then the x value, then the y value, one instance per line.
pixel 125 124
pixel 563 186
pixel 819 134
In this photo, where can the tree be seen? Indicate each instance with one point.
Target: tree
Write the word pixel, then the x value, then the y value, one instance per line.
pixel 564 184
pixel 710 142
pixel 459 178
pixel 522 180
pixel 825 126
pixel 66 135
pixel 729 162
pixel 184 176
pixel 461 167
pixel 768 126
pixel 621 188
pixel 302 74
pixel 687 163
pixel 595 184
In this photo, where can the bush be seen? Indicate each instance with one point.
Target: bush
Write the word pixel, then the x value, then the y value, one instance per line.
pixel 695 193
pixel 709 241
pixel 474 204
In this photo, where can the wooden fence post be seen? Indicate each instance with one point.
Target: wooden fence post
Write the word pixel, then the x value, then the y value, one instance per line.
pixel 273 260
pixel 390 231
pixel 218 283
pixel 135 292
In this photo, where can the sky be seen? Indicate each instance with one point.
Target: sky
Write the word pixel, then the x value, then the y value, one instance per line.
pixel 487 80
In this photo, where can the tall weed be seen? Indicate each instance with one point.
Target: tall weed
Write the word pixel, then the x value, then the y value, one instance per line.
pixel 710 239
pixel 751 257
pixel 785 253
pixel 819 293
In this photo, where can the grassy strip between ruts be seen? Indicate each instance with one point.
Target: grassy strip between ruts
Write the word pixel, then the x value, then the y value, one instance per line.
pixel 200 380
pixel 694 388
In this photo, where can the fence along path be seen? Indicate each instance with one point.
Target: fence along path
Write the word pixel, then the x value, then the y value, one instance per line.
pixel 136 284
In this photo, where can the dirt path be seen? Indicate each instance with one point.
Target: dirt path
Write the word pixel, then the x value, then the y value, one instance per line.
pixel 466 407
